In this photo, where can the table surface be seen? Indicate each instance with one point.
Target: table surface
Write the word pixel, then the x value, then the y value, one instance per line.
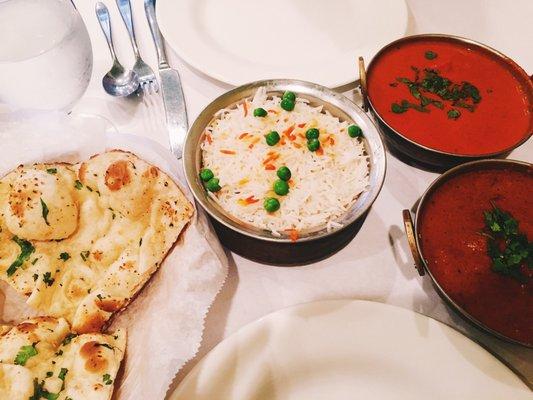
pixel 376 265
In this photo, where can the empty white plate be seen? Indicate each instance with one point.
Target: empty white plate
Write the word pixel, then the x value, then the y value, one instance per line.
pixel 239 41
pixel 349 350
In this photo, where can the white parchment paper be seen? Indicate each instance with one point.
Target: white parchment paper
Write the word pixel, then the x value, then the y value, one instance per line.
pixel 165 322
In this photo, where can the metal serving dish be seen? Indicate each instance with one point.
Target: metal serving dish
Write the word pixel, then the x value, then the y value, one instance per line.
pixel 423 154
pixel 337 104
pixel 412 230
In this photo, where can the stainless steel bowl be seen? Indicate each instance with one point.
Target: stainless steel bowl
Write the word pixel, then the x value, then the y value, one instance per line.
pixel 335 103
pixel 412 231
pixel 430 157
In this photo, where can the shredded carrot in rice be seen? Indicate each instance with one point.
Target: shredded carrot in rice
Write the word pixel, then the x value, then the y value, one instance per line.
pixel 245 106
pixel 208 138
pixel 270 167
pixel 231 152
pixel 301 135
pixel 251 145
pixel 243 135
pixel 297 145
pixel 301 125
pixel 288 132
pixel 247 201
pixel 273 157
pixel 293 235
pixel 331 140
pixel 320 151
pixel 273 111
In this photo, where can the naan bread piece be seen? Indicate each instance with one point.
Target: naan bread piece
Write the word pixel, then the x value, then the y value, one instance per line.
pixel 60 365
pixel 86 367
pixel 110 222
pixel 33 341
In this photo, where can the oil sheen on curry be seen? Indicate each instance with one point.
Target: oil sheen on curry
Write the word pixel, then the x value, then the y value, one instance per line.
pixel 476 233
pixel 451 97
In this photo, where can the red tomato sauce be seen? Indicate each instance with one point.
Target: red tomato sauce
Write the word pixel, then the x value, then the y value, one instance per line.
pixel 501 119
pixel 456 252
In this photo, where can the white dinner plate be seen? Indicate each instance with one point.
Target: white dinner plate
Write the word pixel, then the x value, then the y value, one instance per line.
pixel 240 41
pixel 349 350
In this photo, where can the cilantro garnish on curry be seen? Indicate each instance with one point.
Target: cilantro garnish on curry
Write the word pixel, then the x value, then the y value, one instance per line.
pixel 438 91
pixel 507 247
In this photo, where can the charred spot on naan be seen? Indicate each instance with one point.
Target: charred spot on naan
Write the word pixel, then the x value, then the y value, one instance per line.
pixel 117 175
pixel 92 353
pixel 109 305
pixel 92 322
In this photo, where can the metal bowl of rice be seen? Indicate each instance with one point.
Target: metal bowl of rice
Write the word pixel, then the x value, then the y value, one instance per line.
pixel 329 189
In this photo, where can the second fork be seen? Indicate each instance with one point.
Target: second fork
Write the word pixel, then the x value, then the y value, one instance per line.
pixel 147 79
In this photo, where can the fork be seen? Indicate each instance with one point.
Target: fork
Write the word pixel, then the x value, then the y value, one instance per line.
pixel 147 80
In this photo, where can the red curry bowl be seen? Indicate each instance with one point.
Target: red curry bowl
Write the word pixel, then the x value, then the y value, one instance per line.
pixel 448 131
pixel 450 240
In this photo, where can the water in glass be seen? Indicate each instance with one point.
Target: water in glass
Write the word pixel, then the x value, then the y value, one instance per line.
pixel 45 54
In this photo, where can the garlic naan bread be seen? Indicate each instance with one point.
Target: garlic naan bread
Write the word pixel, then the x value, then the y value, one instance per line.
pixel 41 359
pixel 81 240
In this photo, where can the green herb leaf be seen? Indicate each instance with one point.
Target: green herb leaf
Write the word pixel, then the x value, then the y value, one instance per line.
pixel 45 211
pixel 24 354
pixel 85 255
pixel 62 373
pixel 78 185
pixel 397 109
pixel 453 114
pixel 47 278
pixel 430 55
pixel 64 256
pixel 68 338
pixel 106 378
pixel 51 171
pixel 26 249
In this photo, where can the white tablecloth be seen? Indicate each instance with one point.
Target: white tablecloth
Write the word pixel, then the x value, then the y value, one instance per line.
pixel 376 265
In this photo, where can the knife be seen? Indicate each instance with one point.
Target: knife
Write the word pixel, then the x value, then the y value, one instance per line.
pixel 173 99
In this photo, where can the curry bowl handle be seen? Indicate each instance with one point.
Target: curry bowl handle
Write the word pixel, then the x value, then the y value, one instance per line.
pixel 411 239
pixel 362 83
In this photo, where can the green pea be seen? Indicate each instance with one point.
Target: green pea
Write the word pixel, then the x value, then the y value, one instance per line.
pixel 289 96
pixel 284 173
pixel 281 187
pixel 313 144
pixel 287 104
pixel 213 185
pixel 272 138
pixel 260 112
pixel 271 204
pixel 312 133
pixel 206 174
pixel 355 131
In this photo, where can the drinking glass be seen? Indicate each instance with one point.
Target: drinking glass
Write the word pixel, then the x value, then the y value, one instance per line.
pixel 45 54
